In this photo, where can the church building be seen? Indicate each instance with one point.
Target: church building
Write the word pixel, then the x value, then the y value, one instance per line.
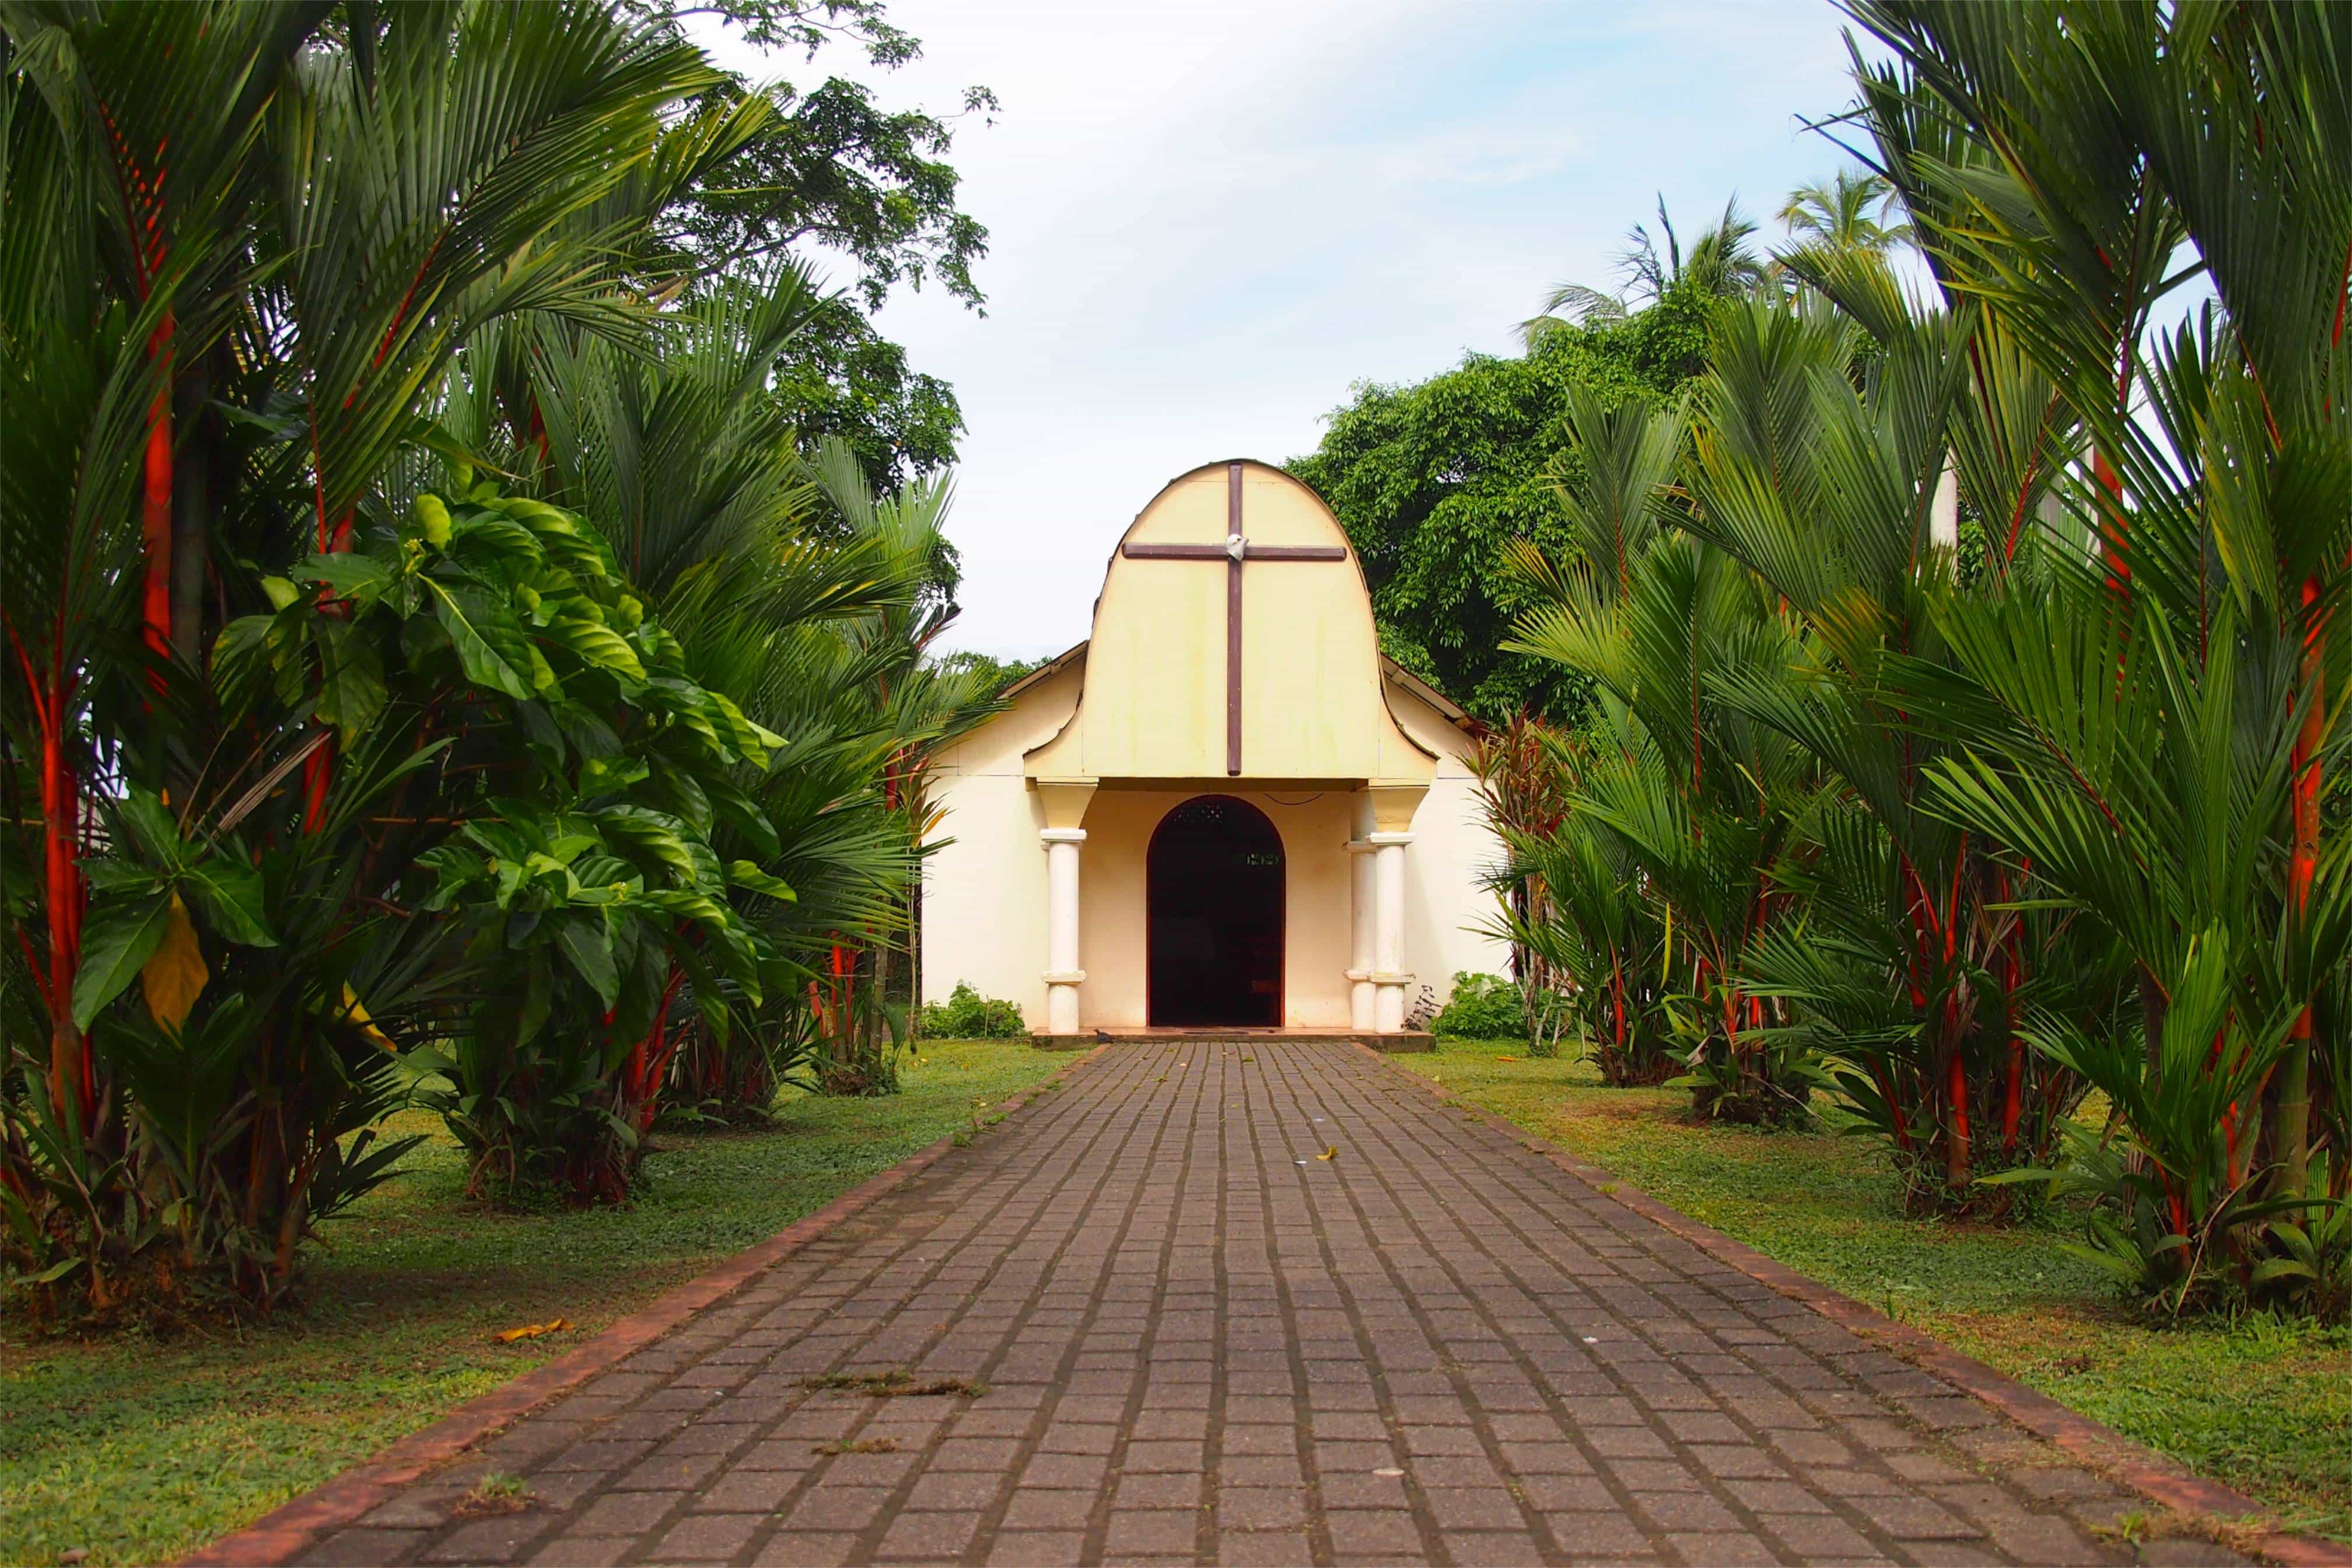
pixel 1225 810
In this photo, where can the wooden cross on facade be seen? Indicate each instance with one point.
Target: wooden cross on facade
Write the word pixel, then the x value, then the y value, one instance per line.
pixel 1235 550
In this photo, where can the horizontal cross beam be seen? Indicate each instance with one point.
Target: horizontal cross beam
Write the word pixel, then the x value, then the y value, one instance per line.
pixel 1221 552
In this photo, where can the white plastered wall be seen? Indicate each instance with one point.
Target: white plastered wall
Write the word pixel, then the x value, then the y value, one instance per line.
pixel 1447 905
pixel 984 890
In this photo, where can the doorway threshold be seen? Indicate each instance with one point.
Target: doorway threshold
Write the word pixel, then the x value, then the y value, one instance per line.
pixel 1086 1040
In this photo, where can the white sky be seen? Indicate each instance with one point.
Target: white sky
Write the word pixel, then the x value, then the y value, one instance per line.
pixel 1207 220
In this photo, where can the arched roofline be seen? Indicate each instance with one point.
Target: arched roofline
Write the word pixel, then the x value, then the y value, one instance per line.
pixel 1383 669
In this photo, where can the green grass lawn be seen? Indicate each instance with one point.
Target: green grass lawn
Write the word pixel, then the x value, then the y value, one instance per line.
pixel 141 1449
pixel 2262 1405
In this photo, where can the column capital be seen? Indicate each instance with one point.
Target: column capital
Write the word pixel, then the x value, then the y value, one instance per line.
pixel 1385 840
pixel 1065 976
pixel 1063 834
pixel 1359 846
pixel 1390 806
pixel 1062 802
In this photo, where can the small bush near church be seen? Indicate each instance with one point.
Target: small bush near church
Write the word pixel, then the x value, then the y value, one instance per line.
pixel 966 1015
pixel 1485 1008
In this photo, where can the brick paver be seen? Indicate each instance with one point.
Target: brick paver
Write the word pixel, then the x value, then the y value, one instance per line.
pixel 1202 1345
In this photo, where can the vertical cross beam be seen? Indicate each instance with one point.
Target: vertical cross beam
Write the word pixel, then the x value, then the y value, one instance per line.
pixel 1236 548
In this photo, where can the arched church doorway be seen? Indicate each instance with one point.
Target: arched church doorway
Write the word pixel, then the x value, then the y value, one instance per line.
pixel 1215 893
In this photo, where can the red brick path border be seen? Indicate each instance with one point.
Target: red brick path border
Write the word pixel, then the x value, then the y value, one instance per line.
pixel 2143 1470
pixel 283 1533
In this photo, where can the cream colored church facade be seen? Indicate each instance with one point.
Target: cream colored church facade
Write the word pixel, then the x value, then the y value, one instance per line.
pixel 1223 810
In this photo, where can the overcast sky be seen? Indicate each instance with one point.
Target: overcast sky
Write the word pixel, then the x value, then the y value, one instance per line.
pixel 1208 220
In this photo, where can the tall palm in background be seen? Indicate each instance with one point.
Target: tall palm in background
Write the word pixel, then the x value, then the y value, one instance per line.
pixel 1848 212
pixel 1722 263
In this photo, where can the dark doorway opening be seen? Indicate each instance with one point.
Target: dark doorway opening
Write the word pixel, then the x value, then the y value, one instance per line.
pixel 1215 895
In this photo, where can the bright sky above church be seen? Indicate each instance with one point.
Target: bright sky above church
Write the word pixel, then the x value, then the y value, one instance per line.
pixel 1209 218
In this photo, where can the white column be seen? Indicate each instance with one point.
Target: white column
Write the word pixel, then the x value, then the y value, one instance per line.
pixel 1360 1004
pixel 1944 510
pixel 1389 977
pixel 1062 971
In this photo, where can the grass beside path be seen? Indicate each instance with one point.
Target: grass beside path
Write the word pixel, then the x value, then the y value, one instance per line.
pixel 139 1450
pixel 2264 1406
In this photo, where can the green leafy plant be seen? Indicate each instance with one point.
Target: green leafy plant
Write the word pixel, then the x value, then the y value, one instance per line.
pixel 1483 1007
pixel 581 882
pixel 966 1015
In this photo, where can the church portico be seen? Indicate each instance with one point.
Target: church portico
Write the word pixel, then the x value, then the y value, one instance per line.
pixel 1239 815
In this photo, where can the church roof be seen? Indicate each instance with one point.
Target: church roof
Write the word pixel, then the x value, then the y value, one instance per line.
pixel 1389 667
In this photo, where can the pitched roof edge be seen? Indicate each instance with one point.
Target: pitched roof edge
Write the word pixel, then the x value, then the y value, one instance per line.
pixel 1053 666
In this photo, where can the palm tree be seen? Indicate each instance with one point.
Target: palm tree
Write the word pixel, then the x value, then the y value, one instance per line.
pixel 1699 798
pixel 797 590
pixel 1816 468
pixel 1848 213
pixel 1721 264
pixel 920 704
pixel 244 242
pixel 2151 729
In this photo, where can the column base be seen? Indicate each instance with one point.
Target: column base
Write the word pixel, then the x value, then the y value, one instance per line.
pixel 1062 1004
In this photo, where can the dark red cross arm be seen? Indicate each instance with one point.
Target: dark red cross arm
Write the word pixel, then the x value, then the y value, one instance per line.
pixel 1235 550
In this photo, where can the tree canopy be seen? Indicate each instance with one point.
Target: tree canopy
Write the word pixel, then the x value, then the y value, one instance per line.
pixel 832 171
pixel 1434 480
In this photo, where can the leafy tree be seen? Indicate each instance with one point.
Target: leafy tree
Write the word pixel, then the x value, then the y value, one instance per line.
pixel 832 172
pixel 995 674
pixel 1433 481
pixel 843 379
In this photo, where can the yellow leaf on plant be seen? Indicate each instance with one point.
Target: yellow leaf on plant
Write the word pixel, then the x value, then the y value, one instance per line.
pixel 533 1331
pixel 174 975
pixel 358 1014
pixel 1330 1153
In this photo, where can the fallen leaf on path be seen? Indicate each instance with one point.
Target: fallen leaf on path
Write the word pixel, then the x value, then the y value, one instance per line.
pixel 533 1331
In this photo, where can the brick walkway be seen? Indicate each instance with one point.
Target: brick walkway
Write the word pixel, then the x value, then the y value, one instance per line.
pixel 1202 1345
